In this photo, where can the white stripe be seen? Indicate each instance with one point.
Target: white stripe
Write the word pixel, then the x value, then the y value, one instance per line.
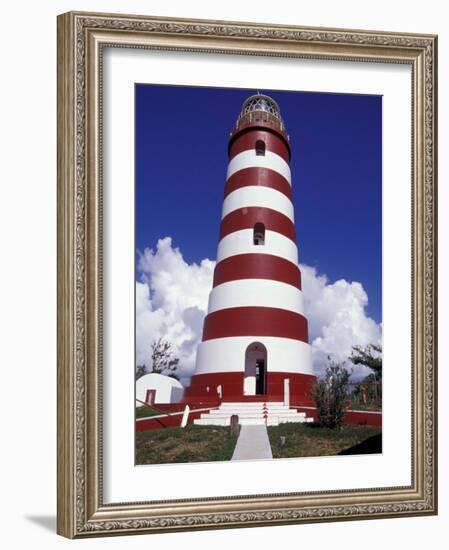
pixel 258 196
pixel 256 292
pixel 228 355
pixel 249 159
pixel 242 242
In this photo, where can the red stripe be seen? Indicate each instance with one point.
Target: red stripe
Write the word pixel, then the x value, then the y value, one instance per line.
pixel 258 176
pixel 203 388
pixel 245 218
pixel 248 140
pixel 255 321
pixel 257 266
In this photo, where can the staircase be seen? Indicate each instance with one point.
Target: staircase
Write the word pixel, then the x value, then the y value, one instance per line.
pixel 252 413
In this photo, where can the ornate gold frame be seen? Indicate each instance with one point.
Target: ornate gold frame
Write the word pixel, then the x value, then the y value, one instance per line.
pixel 81 37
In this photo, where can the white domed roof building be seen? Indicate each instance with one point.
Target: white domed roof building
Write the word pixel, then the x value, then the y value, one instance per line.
pixel 155 388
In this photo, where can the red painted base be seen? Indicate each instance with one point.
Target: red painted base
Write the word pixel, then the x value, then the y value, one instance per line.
pixel 203 388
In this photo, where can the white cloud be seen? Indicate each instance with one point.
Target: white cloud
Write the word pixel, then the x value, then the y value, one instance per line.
pixel 172 295
pixel 337 319
pixel 171 301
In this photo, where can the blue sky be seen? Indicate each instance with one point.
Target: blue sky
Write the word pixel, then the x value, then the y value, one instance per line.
pixel 181 159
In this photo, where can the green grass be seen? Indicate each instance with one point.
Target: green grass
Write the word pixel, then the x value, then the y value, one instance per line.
pixel 189 444
pixel 312 440
pixel 142 412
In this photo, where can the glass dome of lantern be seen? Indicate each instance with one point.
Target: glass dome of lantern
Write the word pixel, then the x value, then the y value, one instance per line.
pixel 261 108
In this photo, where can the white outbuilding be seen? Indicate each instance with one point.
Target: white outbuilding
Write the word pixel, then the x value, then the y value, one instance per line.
pixel 158 388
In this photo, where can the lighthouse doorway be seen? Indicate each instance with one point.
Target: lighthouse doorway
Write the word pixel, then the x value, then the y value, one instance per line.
pixel 255 370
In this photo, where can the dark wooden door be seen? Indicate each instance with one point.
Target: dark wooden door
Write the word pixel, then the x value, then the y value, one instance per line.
pixel 260 376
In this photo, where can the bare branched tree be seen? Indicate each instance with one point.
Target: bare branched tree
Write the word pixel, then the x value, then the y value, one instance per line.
pixel 163 358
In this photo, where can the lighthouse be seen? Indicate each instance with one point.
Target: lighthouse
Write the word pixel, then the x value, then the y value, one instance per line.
pixel 255 346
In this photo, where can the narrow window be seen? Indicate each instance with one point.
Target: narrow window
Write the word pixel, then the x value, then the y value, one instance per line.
pixel 260 148
pixel 259 234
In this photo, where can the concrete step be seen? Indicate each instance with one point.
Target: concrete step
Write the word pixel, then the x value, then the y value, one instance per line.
pixel 258 411
pixel 246 414
pixel 251 404
pixel 224 415
pixel 252 413
pixel 261 408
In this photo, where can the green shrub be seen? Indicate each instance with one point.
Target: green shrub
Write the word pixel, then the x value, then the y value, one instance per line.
pixel 330 394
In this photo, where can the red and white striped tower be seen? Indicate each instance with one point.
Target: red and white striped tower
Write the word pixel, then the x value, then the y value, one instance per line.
pixel 255 337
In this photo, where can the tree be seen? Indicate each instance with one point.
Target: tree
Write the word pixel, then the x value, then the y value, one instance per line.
pixel 141 370
pixel 163 358
pixel 330 394
pixel 370 356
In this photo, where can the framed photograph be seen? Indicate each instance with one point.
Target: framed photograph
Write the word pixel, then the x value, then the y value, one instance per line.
pixel 246 274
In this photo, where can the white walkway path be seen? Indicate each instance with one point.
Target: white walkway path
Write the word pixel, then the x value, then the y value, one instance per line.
pixel 252 443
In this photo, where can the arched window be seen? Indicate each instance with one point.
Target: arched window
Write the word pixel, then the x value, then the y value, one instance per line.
pixel 260 148
pixel 259 234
